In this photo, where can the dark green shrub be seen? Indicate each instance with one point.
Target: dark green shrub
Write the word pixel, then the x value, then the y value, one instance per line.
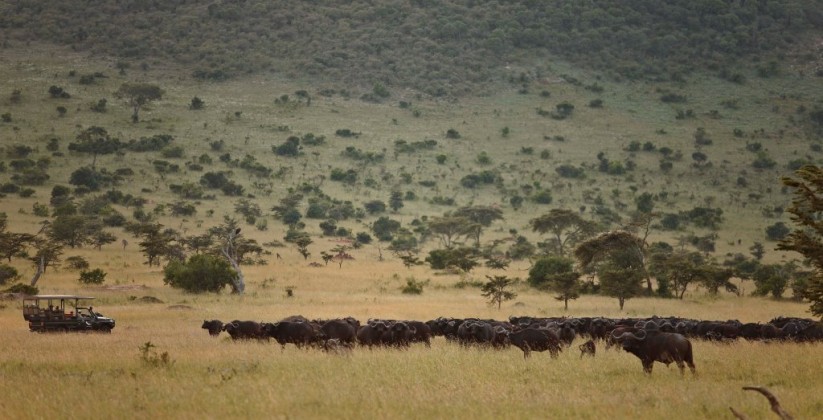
pixel 363 238
pixel 413 286
pixel 346 176
pixel 172 152
pixel 196 103
pixel 345 132
pixel 100 106
pixel 232 189
pixel 670 221
pixel 570 171
pixel 291 147
pixel 673 98
pixel 9 188
pixel 214 180
pixel 8 273
pixel 384 228
pixel 777 231
pixel 201 273
pixel 96 276
pixel 23 289
pixel 763 161
pixel 91 178
pixel 542 197
pixel 375 207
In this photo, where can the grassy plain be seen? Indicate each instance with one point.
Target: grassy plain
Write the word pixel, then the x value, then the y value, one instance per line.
pixel 78 376
pixel 83 375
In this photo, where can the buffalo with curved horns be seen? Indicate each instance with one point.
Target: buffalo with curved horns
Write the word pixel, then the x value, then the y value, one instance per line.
pixel 654 346
pixel 214 327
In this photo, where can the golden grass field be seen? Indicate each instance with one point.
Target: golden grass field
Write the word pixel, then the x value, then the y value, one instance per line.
pixel 83 375
pixel 103 376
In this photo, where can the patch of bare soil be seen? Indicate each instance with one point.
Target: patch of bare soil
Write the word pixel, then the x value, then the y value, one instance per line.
pixel 125 287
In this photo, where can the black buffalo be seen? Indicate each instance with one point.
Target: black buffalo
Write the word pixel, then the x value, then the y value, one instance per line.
pixel 531 339
pixel 654 346
pixel 401 334
pixel 371 334
pixel 343 330
pixel 422 332
pixel 243 330
pixel 284 332
pixel 214 327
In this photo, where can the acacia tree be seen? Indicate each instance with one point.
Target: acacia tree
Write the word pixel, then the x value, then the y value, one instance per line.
pixel 680 269
pixel 95 141
pixel 46 253
pixel 138 95
pixel 618 258
pixel 567 227
pixel 12 244
pixel 449 228
pixel 480 217
pixel 156 242
pixel 71 230
pixel 556 274
pixel 807 238
pixel 620 277
pixel 496 290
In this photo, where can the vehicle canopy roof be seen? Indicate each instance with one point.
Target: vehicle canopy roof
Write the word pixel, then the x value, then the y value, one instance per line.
pixel 55 297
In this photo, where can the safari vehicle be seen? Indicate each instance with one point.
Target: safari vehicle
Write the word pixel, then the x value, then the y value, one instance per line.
pixel 64 313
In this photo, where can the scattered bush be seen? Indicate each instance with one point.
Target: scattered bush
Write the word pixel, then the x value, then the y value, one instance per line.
pixel 96 276
pixel 201 273
pixel 8 273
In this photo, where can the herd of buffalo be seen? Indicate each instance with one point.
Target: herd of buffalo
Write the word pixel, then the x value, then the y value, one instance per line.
pixel 655 339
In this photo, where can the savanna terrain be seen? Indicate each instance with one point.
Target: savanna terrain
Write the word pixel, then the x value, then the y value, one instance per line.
pixel 295 117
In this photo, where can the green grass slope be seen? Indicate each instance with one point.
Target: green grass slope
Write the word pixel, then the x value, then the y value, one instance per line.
pixel 438 47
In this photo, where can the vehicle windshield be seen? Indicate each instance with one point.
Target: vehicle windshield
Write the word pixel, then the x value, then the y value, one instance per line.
pixel 85 312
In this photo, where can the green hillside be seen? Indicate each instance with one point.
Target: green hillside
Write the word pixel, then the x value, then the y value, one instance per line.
pixel 438 47
pixel 322 130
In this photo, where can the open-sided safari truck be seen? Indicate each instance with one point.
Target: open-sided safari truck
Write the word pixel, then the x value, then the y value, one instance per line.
pixel 64 313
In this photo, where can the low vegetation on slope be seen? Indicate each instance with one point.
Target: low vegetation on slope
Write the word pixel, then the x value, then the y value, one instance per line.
pixel 438 47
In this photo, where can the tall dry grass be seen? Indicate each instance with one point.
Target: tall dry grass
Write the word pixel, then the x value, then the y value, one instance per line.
pixel 83 375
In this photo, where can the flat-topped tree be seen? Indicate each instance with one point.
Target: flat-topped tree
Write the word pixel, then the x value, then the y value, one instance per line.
pixel 137 95
pixel 95 141
pixel 481 216
pixel 567 227
pixel 619 259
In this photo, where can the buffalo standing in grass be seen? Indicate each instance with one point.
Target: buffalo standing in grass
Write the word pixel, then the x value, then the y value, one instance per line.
pixel 343 330
pixel 214 327
pixel 422 332
pixel 531 339
pixel 371 334
pixel 401 334
pixel 243 330
pixel 298 333
pixel 654 346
